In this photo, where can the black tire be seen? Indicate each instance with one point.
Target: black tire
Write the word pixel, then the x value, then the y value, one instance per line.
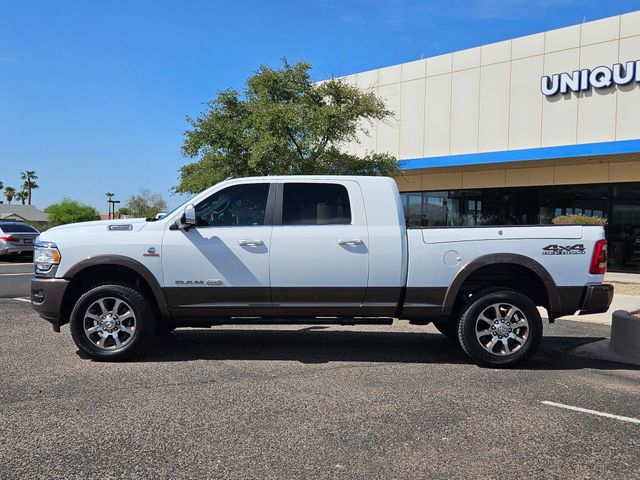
pixel 449 328
pixel 133 344
pixel 513 345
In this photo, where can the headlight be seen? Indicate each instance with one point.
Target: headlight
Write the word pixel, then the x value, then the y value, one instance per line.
pixel 45 256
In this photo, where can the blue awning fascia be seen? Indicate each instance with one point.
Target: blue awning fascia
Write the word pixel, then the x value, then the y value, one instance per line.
pixel 543 153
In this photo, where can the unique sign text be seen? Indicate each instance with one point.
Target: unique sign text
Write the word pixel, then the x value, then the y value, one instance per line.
pixel 582 80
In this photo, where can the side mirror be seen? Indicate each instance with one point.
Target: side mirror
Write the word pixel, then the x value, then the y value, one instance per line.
pixel 187 219
pixel 190 215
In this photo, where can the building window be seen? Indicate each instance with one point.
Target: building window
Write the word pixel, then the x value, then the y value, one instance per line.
pixel 590 200
pixel 623 230
pixel 412 204
pixel 530 206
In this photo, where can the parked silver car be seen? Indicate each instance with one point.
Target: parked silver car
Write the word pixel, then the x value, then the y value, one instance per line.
pixel 17 237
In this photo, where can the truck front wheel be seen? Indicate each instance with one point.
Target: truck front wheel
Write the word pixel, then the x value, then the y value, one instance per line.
pixel 500 328
pixel 112 322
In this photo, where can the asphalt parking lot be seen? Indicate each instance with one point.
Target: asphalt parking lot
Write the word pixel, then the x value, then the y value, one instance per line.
pixel 308 402
pixel 15 274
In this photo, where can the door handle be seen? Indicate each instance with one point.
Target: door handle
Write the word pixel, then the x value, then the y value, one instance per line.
pixel 350 241
pixel 250 243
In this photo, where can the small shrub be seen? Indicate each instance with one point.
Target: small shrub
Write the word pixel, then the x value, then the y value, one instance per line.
pixel 579 220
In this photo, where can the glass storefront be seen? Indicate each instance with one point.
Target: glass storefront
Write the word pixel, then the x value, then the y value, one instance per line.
pixel 619 203
pixel 623 227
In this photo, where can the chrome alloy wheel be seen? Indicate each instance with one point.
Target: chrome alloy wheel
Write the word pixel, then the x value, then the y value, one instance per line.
pixel 502 329
pixel 109 323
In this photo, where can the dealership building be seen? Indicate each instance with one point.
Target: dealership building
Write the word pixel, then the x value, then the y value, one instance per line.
pixel 520 131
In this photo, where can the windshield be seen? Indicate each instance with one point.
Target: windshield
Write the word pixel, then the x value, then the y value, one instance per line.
pixel 153 219
pixel 170 212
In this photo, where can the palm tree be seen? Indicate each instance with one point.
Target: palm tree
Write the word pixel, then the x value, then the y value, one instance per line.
pixel 29 177
pixel 22 196
pixel 9 192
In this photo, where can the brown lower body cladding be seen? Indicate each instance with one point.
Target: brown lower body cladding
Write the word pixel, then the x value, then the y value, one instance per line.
pixel 418 304
pixel 410 303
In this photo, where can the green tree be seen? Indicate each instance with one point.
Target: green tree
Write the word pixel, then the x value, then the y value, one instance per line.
pixel 122 211
pixel 22 196
pixel 70 211
pixel 29 177
pixel 9 193
pixel 146 204
pixel 282 124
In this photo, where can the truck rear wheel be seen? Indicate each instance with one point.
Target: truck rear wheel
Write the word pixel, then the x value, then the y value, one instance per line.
pixel 112 322
pixel 500 328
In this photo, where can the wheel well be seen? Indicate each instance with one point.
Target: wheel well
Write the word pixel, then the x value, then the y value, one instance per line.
pixel 510 276
pixel 100 274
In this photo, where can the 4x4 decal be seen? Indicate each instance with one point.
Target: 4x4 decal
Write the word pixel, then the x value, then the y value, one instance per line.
pixel 577 249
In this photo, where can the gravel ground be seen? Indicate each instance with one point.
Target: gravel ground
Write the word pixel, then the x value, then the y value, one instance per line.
pixel 626 288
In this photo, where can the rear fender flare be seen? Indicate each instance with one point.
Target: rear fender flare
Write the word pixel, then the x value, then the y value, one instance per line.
pixel 555 304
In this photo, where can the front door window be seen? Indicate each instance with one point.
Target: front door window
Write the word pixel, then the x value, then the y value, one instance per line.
pixel 236 206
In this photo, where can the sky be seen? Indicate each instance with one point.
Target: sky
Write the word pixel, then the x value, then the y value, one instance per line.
pixel 94 95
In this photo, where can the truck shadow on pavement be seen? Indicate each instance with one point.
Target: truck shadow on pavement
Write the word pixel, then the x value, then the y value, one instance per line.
pixel 313 345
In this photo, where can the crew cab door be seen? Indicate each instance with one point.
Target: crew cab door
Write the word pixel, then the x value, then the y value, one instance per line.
pixel 319 249
pixel 220 266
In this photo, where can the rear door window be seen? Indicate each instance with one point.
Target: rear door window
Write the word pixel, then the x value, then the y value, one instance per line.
pixel 315 204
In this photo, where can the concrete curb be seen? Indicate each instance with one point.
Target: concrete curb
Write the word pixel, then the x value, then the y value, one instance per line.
pixel 624 346
pixel 625 334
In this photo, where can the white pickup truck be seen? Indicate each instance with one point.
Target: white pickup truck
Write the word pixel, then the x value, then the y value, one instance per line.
pixel 313 249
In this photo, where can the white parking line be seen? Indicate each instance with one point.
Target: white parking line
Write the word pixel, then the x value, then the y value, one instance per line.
pixel 592 412
pixel 12 264
pixel 22 299
pixel 14 274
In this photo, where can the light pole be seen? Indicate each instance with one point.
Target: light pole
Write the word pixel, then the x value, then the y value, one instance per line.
pixel 112 208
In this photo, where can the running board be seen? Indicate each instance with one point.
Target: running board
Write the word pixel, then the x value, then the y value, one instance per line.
pixel 210 322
